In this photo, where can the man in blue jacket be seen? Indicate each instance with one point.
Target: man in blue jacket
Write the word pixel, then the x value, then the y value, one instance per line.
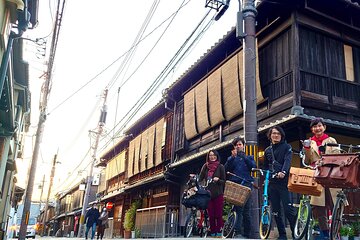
pixel 241 165
pixel 91 219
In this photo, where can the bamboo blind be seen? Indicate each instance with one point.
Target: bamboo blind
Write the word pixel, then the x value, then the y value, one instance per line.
pixel 189 115
pixel 137 154
pixel 216 115
pixel 131 158
pixel 158 140
pixel 144 150
pixel 259 95
pixel 231 88
pixel 115 166
pixel 201 109
pixel 151 150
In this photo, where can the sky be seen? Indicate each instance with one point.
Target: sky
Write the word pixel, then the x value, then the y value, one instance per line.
pixel 92 39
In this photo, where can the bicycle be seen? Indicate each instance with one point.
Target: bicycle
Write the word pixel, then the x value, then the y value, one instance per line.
pixel 341 199
pixel 193 225
pixel 266 213
pixel 303 228
pixel 232 218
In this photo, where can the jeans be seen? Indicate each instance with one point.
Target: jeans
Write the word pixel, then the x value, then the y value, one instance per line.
pixel 280 193
pixel 93 228
pixel 243 219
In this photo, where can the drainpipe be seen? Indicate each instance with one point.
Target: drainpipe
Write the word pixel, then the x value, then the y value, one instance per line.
pixel 24 18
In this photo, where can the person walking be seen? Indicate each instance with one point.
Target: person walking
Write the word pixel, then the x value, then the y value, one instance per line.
pixel 241 165
pixel 91 218
pixel 213 170
pixel 321 204
pixel 278 159
pixel 103 223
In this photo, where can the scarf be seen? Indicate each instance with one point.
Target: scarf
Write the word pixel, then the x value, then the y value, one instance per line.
pixel 212 165
pixel 319 140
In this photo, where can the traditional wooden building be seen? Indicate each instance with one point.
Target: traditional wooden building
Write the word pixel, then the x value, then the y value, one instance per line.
pixel 135 170
pixel 68 209
pixel 308 66
pixel 15 18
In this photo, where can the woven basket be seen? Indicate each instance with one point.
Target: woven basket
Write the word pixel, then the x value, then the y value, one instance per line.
pixel 236 194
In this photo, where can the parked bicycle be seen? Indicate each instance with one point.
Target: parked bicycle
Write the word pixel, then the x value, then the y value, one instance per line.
pixel 304 222
pixel 341 198
pixel 232 218
pixel 196 197
pixel 266 213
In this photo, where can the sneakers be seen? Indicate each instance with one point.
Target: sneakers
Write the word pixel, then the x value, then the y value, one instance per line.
pixel 216 235
pixel 239 236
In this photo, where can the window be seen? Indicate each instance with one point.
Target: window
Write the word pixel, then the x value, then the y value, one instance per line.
pixel 349 63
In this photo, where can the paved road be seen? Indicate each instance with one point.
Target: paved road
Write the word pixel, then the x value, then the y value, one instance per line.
pixel 58 238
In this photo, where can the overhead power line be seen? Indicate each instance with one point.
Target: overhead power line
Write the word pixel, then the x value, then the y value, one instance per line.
pixel 110 65
pixel 161 77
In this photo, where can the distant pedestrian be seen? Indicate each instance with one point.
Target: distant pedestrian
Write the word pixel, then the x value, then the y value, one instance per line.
pixel 214 172
pixel 91 219
pixel 103 223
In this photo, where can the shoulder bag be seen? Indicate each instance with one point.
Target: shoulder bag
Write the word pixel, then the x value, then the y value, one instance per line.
pixel 339 170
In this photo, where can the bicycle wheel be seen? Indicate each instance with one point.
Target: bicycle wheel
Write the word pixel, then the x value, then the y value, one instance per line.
pixel 302 220
pixel 205 227
pixel 189 225
pixel 265 223
pixel 337 218
pixel 229 225
pixel 309 233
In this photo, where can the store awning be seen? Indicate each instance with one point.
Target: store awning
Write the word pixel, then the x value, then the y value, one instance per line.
pixel 112 194
pixel 145 181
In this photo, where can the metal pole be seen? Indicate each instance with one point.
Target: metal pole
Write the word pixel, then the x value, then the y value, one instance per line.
pixel 48 195
pixel 250 121
pixel 40 128
pixel 89 177
pixel 30 184
pixel 42 188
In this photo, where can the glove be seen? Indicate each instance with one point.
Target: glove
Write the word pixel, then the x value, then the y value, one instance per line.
pixel 306 143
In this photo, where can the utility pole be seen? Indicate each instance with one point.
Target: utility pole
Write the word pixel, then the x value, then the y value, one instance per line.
pixel 42 188
pixel 41 123
pixel 99 132
pixel 247 16
pixel 48 195
pixel 246 20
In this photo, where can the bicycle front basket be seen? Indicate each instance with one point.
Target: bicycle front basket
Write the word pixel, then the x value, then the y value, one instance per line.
pixel 236 194
pixel 200 200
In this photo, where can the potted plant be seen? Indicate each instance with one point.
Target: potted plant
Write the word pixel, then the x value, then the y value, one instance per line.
pixel 137 233
pixel 351 232
pixel 129 219
pixel 356 227
pixel 344 232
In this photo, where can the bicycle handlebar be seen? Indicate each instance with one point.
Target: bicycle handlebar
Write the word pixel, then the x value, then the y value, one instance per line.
pixel 252 183
pixel 262 172
pixel 339 145
pixel 301 154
